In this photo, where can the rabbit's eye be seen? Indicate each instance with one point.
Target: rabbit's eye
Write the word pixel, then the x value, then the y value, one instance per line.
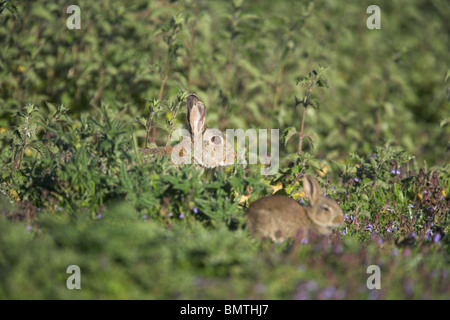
pixel 216 140
pixel 326 208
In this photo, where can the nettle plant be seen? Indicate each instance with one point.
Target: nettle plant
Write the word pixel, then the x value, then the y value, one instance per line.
pixel 168 123
pixel 302 161
pixel 82 166
pixel 384 197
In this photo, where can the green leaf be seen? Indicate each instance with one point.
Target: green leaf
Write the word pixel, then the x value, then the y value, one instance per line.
pixel 287 134
pixel 313 140
pixel 445 121
pixel 322 83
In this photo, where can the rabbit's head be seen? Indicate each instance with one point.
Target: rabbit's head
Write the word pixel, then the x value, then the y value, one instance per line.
pixel 206 147
pixel 323 211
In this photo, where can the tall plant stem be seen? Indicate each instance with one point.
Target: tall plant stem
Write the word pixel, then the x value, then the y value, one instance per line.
pixel 300 136
pixel 305 105
pixel 149 126
pixel 24 142
pixel 161 89
pixel 172 121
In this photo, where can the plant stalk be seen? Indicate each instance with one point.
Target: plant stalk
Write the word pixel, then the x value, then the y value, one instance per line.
pixel 305 105
pixel 161 89
pixel 149 123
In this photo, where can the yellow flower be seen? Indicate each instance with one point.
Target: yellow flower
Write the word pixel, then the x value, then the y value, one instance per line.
pixel 299 194
pixel 13 194
pixel 323 171
pixel 28 152
pixel 3 130
pixel 243 200
pixel 444 193
pixel 20 69
pixel 277 187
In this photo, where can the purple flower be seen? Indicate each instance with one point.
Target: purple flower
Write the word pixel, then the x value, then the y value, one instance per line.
pixel 181 216
pixel 301 295
pixel 406 252
pixel 39 209
pixel 338 249
pixel 436 238
pixel 195 210
pixel 304 241
pixel 29 228
pixel 171 214
pixel 368 227
pixel 388 229
pixel 332 187
pixel 393 171
pixel 329 292
pixel 99 216
pixel 343 232
pixel 398 171
pixel 413 234
pixel 259 288
pixel 411 206
pixel 311 285
pixel 356 180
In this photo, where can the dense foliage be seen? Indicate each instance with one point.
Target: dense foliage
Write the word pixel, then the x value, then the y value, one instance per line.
pixel 366 111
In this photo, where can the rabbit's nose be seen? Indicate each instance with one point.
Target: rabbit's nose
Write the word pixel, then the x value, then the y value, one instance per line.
pixel 338 220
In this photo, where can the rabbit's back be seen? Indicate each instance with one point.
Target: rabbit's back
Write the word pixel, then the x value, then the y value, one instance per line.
pixel 276 217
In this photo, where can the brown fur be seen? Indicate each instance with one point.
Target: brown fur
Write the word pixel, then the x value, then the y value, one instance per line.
pixel 280 218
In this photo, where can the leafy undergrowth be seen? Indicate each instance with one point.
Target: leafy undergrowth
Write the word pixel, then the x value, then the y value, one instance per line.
pixel 142 228
pixel 368 120
pixel 123 256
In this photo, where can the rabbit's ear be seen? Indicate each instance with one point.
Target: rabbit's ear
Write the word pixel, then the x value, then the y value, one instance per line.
pixel 312 188
pixel 196 114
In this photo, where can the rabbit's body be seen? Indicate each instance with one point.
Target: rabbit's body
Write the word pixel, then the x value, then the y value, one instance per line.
pixel 203 146
pixel 280 218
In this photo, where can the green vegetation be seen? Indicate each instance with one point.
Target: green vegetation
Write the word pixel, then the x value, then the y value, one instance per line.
pixel 365 111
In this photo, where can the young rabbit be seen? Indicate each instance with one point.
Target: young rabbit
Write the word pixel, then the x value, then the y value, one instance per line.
pixel 203 146
pixel 280 218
